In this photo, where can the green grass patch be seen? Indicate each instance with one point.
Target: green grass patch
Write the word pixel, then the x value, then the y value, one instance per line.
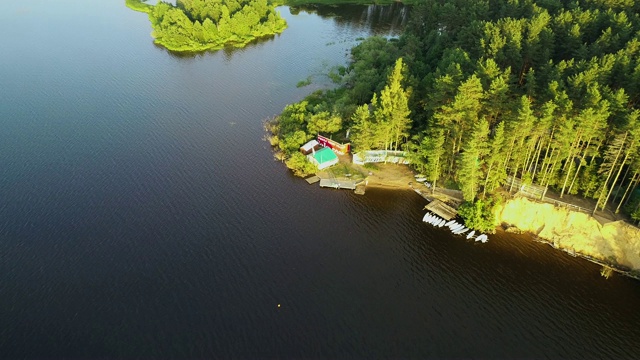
pixel 371 166
pixel 343 170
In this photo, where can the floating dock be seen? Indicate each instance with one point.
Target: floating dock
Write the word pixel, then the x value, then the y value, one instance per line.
pixel 338 184
pixel 441 209
pixel 312 180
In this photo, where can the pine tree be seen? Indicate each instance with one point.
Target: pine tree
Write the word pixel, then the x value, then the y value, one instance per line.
pixel 471 159
pixel 495 174
pixel 363 129
pixel 432 150
pixel 393 110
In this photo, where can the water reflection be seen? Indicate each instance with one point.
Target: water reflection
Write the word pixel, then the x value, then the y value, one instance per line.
pixel 379 19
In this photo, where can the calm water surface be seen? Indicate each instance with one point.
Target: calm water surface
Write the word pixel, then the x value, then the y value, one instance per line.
pixel 142 215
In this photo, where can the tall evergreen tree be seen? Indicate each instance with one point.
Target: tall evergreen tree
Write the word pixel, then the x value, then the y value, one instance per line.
pixel 470 173
pixel 495 173
pixel 392 108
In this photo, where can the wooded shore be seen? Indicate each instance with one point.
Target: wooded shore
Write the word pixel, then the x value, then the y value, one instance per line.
pixel 612 244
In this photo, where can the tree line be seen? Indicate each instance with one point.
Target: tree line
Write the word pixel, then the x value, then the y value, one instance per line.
pixel 480 90
pixel 197 25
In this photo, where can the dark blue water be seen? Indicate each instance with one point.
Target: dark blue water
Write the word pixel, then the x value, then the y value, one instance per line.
pixel 143 215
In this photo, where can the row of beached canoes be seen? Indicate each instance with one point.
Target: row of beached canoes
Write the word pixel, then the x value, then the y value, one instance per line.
pixel 454 226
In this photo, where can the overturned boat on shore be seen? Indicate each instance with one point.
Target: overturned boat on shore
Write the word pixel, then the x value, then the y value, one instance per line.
pixel 455 227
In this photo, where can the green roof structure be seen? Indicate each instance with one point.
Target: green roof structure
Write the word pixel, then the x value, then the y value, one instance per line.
pixel 324 158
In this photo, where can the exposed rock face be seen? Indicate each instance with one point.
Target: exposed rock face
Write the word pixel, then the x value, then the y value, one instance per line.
pixel 616 242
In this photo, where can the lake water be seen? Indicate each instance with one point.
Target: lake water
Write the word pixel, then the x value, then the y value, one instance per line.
pixel 143 215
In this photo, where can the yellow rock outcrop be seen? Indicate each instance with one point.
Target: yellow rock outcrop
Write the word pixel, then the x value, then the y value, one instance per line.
pixel 615 242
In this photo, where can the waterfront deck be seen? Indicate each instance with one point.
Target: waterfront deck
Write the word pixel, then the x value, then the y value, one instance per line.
pixel 312 180
pixel 441 209
pixel 338 184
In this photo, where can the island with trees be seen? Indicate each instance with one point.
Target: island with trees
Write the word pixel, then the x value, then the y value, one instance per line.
pixel 481 91
pixel 199 25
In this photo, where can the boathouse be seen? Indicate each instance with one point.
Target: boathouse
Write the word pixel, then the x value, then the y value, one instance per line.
pixel 310 147
pixel 323 158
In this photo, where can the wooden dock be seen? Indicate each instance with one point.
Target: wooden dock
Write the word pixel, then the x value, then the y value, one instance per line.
pixel 338 184
pixel 312 180
pixel 441 209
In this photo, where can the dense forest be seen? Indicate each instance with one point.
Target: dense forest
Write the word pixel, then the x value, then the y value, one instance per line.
pixel 197 25
pixel 479 90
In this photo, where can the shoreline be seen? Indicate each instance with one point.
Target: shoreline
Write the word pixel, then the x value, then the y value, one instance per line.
pixel 578 234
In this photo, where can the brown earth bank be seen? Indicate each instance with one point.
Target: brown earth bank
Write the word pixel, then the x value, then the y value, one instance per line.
pixel 389 176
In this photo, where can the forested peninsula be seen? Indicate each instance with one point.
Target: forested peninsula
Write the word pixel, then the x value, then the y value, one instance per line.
pixel 476 91
pixel 198 25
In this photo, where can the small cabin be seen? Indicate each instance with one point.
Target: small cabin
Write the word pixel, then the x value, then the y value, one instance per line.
pixel 323 158
pixel 310 147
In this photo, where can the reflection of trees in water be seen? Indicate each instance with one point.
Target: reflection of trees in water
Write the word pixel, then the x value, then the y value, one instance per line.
pixel 228 51
pixel 388 19
pixel 379 19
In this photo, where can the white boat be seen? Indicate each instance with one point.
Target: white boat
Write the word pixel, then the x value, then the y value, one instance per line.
pixel 436 221
pixel 421 179
pixel 460 231
pixel 482 238
pixel 471 234
pixel 442 223
pixel 432 219
pixel 457 227
pixel 425 218
pixel 449 222
pixel 453 224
